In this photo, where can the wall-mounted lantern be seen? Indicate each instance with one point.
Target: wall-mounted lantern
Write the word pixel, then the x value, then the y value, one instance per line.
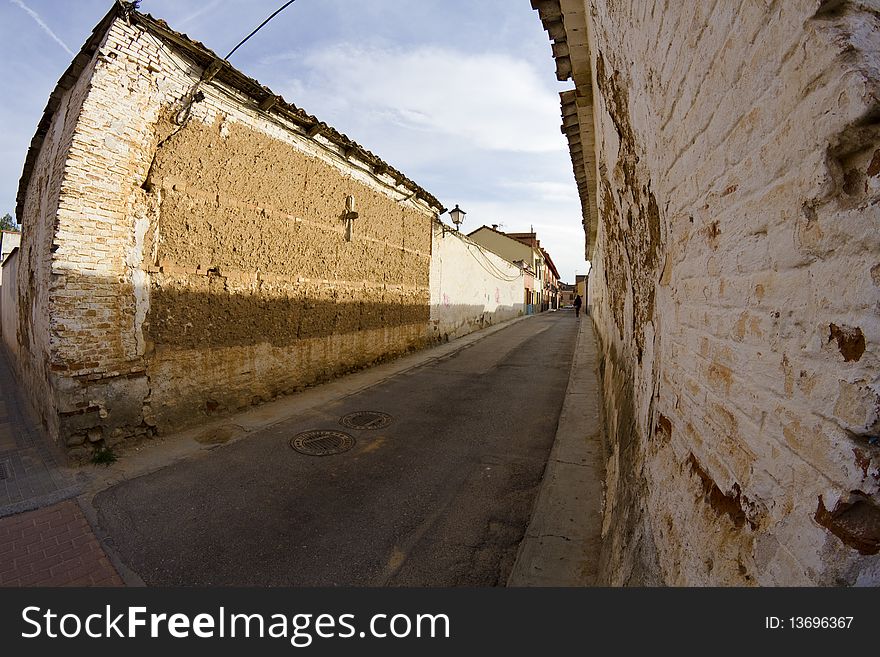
pixel 457 216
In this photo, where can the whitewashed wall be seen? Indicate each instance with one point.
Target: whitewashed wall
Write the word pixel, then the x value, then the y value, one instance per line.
pixel 471 287
pixel 9 303
pixel 736 290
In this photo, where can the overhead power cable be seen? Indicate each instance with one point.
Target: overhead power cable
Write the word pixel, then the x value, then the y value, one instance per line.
pixel 490 267
pixel 242 42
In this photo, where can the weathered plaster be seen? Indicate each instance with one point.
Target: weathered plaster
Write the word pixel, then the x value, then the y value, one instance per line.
pixel 734 287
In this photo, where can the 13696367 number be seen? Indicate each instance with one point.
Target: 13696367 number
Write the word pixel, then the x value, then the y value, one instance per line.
pixel 820 622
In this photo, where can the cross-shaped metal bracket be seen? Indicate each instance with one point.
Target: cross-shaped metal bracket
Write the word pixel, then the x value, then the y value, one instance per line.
pixel 348 217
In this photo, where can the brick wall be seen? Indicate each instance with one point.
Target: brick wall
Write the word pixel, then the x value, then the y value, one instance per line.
pixel 200 268
pixel 735 289
pixel 37 279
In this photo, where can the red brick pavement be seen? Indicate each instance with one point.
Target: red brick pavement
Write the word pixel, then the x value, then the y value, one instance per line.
pixel 53 546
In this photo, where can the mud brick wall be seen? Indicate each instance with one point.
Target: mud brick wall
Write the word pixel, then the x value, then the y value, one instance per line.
pixel 735 290
pixel 200 268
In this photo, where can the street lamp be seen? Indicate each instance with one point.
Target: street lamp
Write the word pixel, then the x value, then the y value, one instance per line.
pixel 457 215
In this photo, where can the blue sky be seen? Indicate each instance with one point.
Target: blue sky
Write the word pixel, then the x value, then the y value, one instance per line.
pixel 460 95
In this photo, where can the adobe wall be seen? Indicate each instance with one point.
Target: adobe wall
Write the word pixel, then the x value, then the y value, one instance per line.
pixel 258 292
pixel 471 287
pixel 198 269
pixel 735 290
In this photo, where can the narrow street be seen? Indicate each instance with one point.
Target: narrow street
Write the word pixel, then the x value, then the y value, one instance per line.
pixel 441 496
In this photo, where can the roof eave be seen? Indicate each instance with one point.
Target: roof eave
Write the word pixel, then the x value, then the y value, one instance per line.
pixel 65 83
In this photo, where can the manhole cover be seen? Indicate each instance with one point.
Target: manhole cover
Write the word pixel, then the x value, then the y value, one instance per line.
pixel 365 420
pixel 322 443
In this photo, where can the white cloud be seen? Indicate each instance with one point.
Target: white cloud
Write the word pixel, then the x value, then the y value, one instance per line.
pixel 197 14
pixel 43 25
pixel 551 192
pixel 489 101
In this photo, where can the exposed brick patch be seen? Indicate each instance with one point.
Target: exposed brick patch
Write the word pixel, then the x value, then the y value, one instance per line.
pixel 856 522
pixel 720 376
pixel 874 166
pixel 712 232
pixel 53 546
pixel 850 341
pixel 863 461
pixel 664 428
pixel 713 496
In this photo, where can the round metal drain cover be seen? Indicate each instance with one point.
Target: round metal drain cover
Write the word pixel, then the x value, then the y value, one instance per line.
pixel 322 442
pixel 365 420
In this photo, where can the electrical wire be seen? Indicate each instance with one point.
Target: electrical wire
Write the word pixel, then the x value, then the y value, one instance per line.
pixel 242 42
pixel 184 113
pixel 405 198
pixel 485 253
pixel 492 269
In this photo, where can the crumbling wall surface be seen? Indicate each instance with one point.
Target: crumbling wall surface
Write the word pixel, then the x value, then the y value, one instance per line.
pixel 735 290
pixel 471 287
pixel 255 288
pixel 45 199
pixel 240 277
pixel 199 259
pixel 90 269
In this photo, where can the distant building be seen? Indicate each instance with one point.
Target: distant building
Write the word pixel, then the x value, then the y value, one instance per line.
pixel 581 286
pixel 9 240
pixel 513 250
pixel 551 282
pixel 566 295
pixel 471 287
pixel 542 278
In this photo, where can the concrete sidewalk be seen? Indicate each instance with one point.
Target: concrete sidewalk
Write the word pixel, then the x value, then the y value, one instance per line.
pixel 32 471
pixel 562 542
pixel 45 538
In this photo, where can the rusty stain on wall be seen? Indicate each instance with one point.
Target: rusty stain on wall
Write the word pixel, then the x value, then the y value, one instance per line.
pixel 723 504
pixel 856 522
pixel 850 341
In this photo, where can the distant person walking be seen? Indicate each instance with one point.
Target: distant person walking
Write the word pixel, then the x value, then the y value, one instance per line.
pixel 578 302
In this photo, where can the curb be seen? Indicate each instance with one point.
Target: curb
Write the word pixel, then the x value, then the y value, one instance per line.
pixel 562 543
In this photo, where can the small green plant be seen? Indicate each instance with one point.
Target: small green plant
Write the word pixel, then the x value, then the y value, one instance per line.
pixel 103 455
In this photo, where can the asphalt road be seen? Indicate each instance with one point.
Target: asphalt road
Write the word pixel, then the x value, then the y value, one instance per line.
pixel 439 497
